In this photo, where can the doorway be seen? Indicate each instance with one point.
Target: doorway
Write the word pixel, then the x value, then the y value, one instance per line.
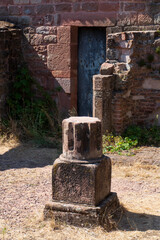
pixel 91 54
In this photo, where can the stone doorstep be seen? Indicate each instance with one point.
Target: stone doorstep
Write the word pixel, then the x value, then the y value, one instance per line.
pixel 82 214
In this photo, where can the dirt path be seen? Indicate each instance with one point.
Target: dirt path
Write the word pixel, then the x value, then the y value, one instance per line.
pixel 25 187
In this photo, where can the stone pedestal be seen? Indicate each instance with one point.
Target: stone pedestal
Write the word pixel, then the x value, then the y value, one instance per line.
pixel 81 176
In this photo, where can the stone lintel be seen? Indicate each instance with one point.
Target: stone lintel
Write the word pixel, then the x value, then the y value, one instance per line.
pixel 82 215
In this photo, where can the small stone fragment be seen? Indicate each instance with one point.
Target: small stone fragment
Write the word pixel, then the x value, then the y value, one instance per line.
pixel 107 68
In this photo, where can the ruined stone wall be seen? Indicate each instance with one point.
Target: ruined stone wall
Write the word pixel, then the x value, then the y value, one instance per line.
pixel 135 80
pixel 10 53
pixel 50 34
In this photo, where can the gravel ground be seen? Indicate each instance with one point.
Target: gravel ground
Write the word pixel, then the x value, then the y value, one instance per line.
pixel 25 178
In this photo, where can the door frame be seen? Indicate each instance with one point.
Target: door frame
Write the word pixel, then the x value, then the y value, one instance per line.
pixel 74 63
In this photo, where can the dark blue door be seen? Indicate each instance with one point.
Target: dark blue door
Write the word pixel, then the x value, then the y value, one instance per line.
pixel 91 54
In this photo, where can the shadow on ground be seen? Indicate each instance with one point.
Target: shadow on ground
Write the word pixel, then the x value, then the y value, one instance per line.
pixel 33 157
pixel 27 157
pixel 130 221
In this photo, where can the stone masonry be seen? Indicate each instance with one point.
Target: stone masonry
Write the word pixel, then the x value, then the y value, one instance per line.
pixel 10 53
pixel 131 81
pixel 50 38
pixel 81 176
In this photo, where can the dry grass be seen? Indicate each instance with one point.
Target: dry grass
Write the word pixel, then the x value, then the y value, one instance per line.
pixel 137 171
pixel 24 192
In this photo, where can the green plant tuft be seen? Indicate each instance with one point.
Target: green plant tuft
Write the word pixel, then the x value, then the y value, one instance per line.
pixel 158 50
pixel 32 108
pixel 158 33
pixel 112 143
pixel 132 137
pixel 145 136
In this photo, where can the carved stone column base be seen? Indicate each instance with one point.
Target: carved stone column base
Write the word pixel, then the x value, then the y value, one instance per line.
pixel 82 214
pixel 81 182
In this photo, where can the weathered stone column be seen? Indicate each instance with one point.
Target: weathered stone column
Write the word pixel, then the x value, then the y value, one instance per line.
pixel 81 177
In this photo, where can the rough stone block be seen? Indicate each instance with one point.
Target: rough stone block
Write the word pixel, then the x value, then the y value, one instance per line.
pixel 58 57
pixel 83 215
pixel 82 138
pixel 157 19
pixel 29 10
pixel 35 1
pixel 3 11
pixel 64 84
pixel 109 7
pixel 90 7
pixel 134 7
pixel 15 10
pixel 61 74
pixel 107 68
pixel 43 30
pixel 50 39
pixel 76 7
pixel 144 19
pixel 83 182
pixel 65 7
pixel 36 39
pixel 102 82
pixel 97 106
pixel 64 34
pixel 45 9
pixel 21 2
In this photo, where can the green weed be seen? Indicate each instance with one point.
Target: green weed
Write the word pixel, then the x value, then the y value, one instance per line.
pixel 132 137
pixel 4 232
pixel 117 144
pixel 158 50
pixel 31 108
pixel 158 33
pixel 146 136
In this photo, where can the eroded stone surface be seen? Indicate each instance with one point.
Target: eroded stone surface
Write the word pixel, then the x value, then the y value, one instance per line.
pixel 132 96
pixel 82 182
pixel 107 68
pixel 83 215
pixel 81 176
pixel 82 138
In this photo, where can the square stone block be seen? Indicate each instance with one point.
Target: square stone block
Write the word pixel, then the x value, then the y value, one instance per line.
pixel 82 182
pixel 83 215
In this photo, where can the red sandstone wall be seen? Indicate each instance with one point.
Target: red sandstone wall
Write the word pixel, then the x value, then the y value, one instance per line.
pixel 91 12
pixel 136 93
pixel 10 57
pixel 50 48
pixel 69 12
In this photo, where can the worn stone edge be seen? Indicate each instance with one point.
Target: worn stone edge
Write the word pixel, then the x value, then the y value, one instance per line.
pixel 83 161
pixel 81 208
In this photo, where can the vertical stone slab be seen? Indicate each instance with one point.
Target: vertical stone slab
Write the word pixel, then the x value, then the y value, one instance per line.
pixel 102 97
